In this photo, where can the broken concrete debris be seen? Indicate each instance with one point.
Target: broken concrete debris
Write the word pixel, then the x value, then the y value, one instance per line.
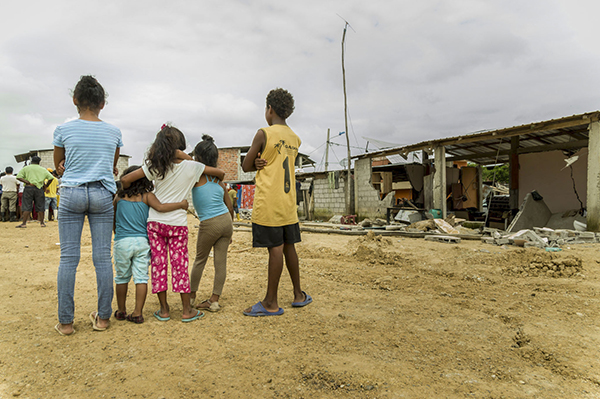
pixel 446 239
pixel 540 237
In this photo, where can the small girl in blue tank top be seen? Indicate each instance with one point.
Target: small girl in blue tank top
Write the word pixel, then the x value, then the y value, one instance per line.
pixel 131 250
pixel 213 206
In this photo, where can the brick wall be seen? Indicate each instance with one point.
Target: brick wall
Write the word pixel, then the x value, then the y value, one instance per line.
pixel 229 161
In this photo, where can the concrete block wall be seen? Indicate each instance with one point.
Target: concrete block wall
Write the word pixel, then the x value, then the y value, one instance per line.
pixel 47 158
pixel 329 201
pixel 367 203
pixel 122 164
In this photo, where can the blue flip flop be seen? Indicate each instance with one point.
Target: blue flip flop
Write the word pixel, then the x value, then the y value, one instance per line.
pixel 198 315
pixel 303 303
pixel 259 310
pixel 160 317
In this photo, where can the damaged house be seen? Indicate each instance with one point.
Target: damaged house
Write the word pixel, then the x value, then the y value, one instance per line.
pixel 554 174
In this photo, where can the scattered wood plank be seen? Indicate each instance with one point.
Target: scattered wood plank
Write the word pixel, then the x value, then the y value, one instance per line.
pixel 445 226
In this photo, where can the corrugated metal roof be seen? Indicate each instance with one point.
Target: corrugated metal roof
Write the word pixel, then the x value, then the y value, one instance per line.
pixel 493 146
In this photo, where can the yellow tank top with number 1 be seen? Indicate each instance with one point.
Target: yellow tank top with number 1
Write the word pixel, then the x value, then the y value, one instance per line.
pixel 275 194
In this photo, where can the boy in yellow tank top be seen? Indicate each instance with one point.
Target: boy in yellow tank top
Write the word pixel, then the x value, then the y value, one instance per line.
pixel 274 215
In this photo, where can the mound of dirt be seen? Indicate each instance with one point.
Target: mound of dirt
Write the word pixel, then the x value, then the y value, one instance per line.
pixel 374 249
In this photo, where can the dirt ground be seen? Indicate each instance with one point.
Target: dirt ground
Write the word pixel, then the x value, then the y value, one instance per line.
pixel 391 318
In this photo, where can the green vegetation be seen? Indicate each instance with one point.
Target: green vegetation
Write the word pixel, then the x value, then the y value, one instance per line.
pixel 498 173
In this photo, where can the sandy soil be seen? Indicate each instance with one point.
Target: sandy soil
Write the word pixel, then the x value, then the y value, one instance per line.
pixel 392 318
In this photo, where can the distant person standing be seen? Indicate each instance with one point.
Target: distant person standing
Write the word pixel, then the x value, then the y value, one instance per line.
pixel 233 197
pixel 33 176
pixel 10 189
pixel 50 193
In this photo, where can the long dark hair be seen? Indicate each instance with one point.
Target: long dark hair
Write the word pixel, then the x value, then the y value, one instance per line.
pixel 89 93
pixel 140 186
pixel 161 154
pixel 206 151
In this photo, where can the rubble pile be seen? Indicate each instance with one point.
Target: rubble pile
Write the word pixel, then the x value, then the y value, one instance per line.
pixel 550 265
pixel 540 237
pixel 245 214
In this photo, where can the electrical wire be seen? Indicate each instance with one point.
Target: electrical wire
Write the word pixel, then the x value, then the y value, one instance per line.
pixel 317 148
pixel 352 128
pixel 344 145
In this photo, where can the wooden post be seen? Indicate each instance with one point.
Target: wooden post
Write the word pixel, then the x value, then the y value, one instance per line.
pixel 439 180
pixel 593 178
pixel 349 161
pixel 513 200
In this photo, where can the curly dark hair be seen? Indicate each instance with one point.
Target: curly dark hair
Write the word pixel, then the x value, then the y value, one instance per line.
pixel 206 151
pixel 89 93
pixel 281 101
pixel 161 154
pixel 139 186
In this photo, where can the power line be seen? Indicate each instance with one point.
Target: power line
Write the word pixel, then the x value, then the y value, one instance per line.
pixel 317 148
pixel 342 145
pixel 352 127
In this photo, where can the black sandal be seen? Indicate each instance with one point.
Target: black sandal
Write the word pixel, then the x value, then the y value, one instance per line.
pixel 120 315
pixel 135 319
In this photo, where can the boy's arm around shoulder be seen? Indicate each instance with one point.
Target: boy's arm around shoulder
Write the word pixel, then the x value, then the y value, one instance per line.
pixel 155 204
pixel 131 177
pixel 258 143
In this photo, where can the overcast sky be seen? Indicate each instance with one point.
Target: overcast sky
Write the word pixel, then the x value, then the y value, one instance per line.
pixel 414 70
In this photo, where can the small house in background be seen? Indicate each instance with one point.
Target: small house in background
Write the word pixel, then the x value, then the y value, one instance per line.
pixel 230 160
pixel 47 156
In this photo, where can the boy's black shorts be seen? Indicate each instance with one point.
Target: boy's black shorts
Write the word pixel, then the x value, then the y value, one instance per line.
pixel 269 237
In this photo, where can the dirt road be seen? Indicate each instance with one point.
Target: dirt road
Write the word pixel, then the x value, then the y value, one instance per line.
pixel 391 318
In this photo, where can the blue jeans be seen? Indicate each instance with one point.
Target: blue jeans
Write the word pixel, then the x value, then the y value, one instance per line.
pixel 95 201
pixel 51 201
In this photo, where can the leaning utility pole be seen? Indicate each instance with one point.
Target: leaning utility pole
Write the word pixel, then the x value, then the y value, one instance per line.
pixel 348 180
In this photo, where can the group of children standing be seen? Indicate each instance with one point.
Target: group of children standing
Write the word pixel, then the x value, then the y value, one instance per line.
pixel 150 212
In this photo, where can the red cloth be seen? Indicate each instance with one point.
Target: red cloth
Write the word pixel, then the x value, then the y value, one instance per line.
pixel 248 196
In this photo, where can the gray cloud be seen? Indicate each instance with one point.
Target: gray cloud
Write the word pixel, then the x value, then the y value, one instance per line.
pixel 414 70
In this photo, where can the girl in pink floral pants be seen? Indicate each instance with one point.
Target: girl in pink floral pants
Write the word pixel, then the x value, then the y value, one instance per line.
pixel 174 173
pixel 169 242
